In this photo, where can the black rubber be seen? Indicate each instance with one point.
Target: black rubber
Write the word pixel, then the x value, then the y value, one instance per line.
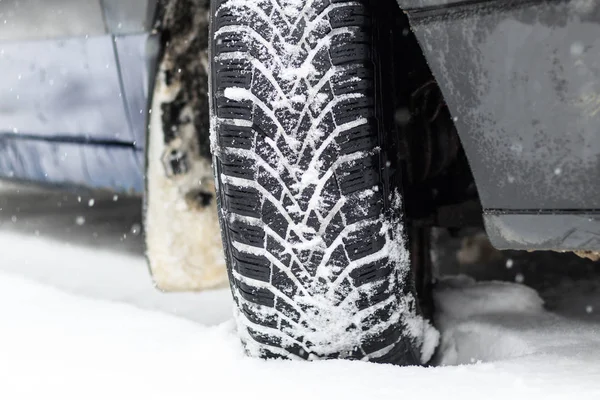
pixel 313 237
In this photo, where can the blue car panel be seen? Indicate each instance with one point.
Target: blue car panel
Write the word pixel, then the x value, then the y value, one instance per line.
pixel 67 87
pixel 74 91
pixel 116 168
pixel 49 19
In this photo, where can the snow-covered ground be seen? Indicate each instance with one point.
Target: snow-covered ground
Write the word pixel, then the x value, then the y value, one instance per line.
pixel 79 319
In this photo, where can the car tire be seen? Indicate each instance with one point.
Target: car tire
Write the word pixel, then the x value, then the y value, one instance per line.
pixel 309 205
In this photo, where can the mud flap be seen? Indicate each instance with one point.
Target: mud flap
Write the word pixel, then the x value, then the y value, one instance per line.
pixel 184 247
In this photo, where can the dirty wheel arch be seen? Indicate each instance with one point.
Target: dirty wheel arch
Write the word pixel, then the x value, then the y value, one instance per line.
pixel 182 231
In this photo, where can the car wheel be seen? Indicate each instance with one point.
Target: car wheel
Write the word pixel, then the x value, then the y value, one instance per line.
pixel 309 203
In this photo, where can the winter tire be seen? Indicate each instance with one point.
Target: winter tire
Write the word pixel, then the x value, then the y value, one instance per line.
pixel 310 212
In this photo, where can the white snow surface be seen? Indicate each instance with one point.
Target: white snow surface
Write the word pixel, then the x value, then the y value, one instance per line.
pixel 85 322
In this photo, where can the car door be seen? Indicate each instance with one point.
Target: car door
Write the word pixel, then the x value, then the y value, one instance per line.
pixel 73 91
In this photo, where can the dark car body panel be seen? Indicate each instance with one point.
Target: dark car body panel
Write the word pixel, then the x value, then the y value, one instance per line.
pixel 545 230
pixel 522 81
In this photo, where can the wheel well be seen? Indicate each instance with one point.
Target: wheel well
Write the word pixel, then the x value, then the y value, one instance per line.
pixel 439 189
